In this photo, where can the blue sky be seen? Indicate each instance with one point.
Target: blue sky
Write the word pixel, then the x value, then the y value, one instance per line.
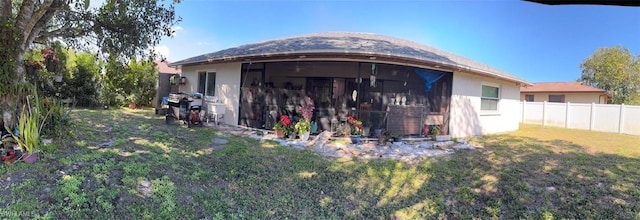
pixel 539 43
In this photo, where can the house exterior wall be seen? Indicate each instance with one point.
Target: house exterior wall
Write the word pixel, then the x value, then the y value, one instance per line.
pixel 582 97
pixel 227 86
pixel 466 117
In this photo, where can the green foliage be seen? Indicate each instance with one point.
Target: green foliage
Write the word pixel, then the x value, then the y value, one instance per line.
pixel 615 70
pixel 59 120
pixel 122 28
pixel 303 126
pixel 28 136
pixel 132 83
pixel 85 81
pixel 30 124
pixel 144 76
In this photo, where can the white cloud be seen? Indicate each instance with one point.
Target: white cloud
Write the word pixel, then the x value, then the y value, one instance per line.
pixel 162 51
pixel 175 29
pixel 203 43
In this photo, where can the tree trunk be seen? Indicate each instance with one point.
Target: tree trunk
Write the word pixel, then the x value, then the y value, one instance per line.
pixel 12 74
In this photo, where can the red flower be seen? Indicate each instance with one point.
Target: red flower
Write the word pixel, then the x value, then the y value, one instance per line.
pixel 285 120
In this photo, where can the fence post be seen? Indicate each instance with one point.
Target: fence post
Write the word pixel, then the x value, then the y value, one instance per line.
pixel 544 113
pixel 593 116
pixel 566 116
pixel 524 103
pixel 621 121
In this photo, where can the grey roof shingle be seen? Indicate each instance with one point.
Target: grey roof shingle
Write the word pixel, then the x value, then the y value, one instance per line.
pixel 350 43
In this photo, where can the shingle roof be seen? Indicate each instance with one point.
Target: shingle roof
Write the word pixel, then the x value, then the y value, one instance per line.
pixel 350 44
pixel 560 87
pixel 163 67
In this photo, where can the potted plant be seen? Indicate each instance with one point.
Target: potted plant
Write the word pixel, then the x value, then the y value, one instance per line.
pixel 437 134
pixel 383 137
pixel 31 67
pixel 132 99
pixel 355 126
pixel 366 128
pixel 57 78
pixel 282 126
pixel 50 59
pixel 303 127
pixel 396 137
pixel 28 134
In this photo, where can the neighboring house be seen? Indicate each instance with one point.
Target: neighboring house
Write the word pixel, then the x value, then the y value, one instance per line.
pixel 164 87
pixel 386 82
pixel 574 92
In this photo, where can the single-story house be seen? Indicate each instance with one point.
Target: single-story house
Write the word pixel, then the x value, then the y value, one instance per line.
pixel 386 82
pixel 574 92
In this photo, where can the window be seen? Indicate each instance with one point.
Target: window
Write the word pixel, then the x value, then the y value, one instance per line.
pixel 528 98
pixel 207 83
pixel 490 98
pixel 556 98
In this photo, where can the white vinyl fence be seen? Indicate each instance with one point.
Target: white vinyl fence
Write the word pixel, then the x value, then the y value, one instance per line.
pixel 598 117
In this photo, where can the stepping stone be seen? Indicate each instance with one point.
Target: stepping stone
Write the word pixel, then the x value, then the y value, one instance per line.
pixel 219 141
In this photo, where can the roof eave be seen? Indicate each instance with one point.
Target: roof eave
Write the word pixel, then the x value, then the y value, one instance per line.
pixel 604 92
pixel 372 57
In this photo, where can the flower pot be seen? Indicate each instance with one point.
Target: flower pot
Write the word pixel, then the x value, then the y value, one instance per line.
pixel 365 131
pixel 279 133
pixel 377 132
pixel 304 136
pixel 443 137
pixel 314 127
pixel 31 70
pixel 51 66
pixel 132 105
pixel 355 139
pixel 10 155
pixel 57 78
pixel 31 158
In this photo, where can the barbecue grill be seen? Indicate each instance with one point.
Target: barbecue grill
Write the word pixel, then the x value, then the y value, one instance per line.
pixel 184 107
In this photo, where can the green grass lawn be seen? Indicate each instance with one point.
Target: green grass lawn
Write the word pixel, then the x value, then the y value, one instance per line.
pixel 156 171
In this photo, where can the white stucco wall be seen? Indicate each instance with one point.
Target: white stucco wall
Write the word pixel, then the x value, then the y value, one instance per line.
pixel 227 86
pixel 466 117
pixel 597 98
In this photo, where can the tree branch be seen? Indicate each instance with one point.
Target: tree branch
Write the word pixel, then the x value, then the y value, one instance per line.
pixel 26 10
pixel 38 15
pixel 38 27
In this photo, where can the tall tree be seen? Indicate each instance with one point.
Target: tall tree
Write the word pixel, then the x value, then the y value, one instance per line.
pixel 615 70
pixel 125 28
pixel 86 75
